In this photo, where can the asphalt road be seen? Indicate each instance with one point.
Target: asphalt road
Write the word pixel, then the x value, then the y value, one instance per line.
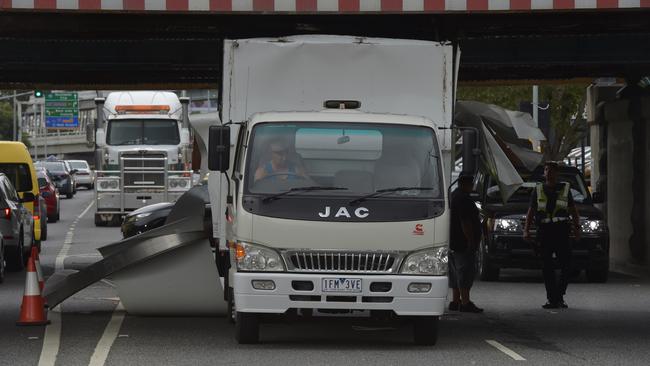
pixel 606 324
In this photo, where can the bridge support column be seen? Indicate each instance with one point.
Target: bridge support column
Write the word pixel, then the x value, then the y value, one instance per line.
pixel 624 124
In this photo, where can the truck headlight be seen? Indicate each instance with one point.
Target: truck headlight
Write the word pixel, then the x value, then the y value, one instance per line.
pixel 104 184
pixel 507 225
pixel 431 262
pixel 592 226
pixel 251 257
pixel 179 183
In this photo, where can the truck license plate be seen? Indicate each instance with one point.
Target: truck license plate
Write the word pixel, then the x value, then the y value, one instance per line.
pixel 341 284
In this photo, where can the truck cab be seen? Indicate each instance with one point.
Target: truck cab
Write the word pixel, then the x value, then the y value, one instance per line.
pixel 336 211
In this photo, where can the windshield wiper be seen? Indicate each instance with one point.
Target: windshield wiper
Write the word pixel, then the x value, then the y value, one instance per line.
pixel 301 189
pixel 387 190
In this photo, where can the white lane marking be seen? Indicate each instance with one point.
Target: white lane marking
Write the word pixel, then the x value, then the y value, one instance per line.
pixel 52 337
pixel 108 338
pixel 514 355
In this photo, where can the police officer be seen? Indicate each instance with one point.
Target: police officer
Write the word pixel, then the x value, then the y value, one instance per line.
pixel 555 214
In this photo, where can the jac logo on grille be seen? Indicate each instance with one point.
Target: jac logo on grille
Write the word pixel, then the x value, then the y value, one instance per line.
pixel 360 212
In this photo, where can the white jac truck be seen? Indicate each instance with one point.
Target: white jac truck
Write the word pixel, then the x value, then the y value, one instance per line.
pixel 142 152
pixel 328 175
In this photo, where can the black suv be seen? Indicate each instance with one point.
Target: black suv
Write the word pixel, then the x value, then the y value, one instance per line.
pixel 503 245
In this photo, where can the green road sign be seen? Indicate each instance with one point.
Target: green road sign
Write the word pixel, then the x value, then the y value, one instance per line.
pixel 61 110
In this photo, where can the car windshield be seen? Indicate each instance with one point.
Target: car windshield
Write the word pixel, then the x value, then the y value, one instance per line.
pixel 143 132
pixel 19 175
pixel 53 166
pixel 578 188
pixel 355 158
pixel 78 164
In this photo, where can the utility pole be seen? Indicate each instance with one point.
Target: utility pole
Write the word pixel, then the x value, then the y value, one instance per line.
pixel 45 135
pixel 14 135
pixel 536 144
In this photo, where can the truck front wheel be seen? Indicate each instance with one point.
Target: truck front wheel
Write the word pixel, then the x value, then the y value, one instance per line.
pixel 425 330
pixel 247 328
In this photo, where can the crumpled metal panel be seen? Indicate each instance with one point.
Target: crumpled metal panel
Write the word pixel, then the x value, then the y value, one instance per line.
pixel 166 271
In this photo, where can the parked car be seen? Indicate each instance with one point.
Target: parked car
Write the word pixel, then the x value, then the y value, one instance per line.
pixel 84 176
pixel 145 218
pixel 17 165
pixel 152 216
pixel 50 193
pixel 16 223
pixel 63 177
pixel 503 245
pixel 73 174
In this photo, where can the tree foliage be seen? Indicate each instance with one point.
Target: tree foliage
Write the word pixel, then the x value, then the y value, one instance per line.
pixel 566 107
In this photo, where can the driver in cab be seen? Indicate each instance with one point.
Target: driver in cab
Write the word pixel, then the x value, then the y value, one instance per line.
pixel 279 166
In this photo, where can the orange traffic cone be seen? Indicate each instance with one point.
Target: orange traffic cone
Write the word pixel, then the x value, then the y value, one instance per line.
pixel 39 270
pixel 32 311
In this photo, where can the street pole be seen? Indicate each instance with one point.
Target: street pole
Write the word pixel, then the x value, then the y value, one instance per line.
pixel 14 136
pixel 45 126
pixel 536 114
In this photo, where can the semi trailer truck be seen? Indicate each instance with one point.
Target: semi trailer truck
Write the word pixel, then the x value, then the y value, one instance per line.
pixel 142 152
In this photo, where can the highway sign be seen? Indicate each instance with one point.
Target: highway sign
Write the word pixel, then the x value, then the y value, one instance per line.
pixel 61 110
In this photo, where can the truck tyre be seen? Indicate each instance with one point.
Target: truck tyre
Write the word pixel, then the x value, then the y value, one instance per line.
pixel 43 231
pixel 2 262
pixel 247 328
pixel 68 195
pixel 425 330
pixel 599 275
pixel 99 221
pixel 486 272
pixel 15 256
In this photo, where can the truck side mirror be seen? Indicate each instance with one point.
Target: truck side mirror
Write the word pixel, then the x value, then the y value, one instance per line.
pixel 219 149
pixel 597 197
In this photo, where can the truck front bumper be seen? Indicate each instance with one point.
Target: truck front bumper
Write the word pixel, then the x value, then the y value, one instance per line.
pixel 285 296
pixel 111 202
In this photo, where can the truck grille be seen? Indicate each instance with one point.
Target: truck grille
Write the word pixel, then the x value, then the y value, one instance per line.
pixel 342 261
pixel 144 162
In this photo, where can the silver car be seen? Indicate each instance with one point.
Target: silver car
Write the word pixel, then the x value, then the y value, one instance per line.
pixel 16 224
pixel 85 176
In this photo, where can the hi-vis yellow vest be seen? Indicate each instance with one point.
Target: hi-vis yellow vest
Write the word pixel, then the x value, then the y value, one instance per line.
pixel 561 203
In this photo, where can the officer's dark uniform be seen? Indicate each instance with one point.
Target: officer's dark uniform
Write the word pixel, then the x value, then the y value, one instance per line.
pixel 553 227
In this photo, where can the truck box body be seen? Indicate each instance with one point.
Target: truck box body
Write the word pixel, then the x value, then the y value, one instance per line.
pixel 299 73
pixel 274 93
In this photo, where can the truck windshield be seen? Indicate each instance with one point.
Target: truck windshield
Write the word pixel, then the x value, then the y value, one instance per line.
pixel 142 132
pixel 358 158
pixel 578 189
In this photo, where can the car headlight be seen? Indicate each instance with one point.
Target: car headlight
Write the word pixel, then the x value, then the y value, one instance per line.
pixel 507 225
pixel 251 257
pixel 592 226
pixel 431 262
pixel 142 215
